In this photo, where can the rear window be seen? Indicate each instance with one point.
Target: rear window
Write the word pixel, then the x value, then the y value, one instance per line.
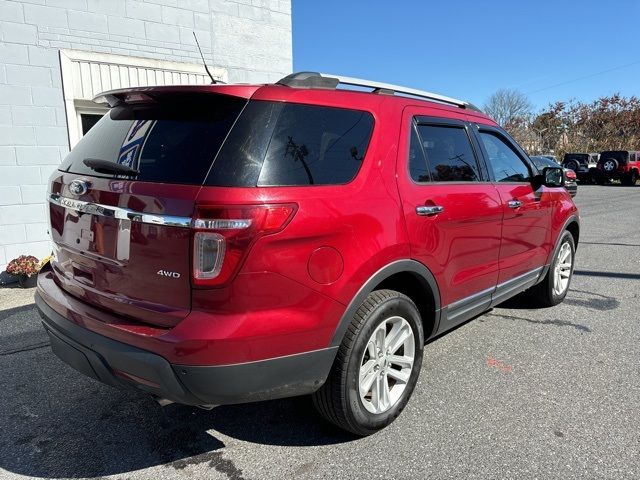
pixel 171 141
pixel 285 144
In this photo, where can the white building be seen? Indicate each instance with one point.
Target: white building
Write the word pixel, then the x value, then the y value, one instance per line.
pixel 55 55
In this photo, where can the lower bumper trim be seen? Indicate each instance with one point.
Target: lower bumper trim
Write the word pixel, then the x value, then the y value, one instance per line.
pixel 123 365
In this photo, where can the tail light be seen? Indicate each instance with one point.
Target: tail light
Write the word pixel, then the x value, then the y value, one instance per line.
pixel 570 174
pixel 223 236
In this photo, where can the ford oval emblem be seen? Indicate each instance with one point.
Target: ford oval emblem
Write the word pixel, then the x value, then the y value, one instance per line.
pixel 78 187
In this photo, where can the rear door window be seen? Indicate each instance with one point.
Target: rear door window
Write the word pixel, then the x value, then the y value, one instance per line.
pixel 173 140
pixel 449 154
pixel 418 168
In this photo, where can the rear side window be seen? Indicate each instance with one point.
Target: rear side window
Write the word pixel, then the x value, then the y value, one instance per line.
pixel 450 157
pixel 285 144
pixel 173 140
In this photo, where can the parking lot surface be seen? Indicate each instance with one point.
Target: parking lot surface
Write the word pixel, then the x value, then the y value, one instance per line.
pixel 552 393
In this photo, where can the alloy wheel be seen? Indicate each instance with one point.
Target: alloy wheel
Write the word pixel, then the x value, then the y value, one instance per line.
pixel 562 271
pixel 386 365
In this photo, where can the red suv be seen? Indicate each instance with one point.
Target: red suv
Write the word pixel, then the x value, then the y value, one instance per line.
pixel 623 165
pixel 232 243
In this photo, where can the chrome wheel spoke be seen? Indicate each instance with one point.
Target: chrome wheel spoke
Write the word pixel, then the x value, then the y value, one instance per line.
pixel 383 392
pixel 371 349
pixel 399 375
pixel 367 379
pixel 401 361
pixel 375 393
pixel 380 337
pixel 397 339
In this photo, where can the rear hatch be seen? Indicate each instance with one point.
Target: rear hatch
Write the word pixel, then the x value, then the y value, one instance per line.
pixel 620 156
pixel 121 202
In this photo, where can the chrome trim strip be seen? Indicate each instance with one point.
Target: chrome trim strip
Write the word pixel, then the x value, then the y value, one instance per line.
pixel 470 298
pixel 523 277
pixel 515 285
pixel 118 212
pixel 468 307
pixel 514 282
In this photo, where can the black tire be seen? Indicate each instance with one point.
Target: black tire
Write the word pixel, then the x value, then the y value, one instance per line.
pixel 631 179
pixel 572 165
pixel 543 294
pixel 338 400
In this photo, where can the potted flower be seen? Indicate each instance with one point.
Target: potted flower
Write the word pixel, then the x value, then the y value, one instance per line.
pixel 26 267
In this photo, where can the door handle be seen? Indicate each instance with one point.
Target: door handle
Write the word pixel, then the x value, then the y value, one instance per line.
pixel 514 203
pixel 429 210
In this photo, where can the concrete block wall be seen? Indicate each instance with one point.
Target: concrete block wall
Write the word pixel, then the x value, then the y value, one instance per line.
pixel 250 38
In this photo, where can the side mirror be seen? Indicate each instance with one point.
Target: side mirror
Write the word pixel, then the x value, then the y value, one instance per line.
pixel 553 177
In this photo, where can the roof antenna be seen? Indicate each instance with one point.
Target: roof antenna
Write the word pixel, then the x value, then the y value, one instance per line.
pixel 213 80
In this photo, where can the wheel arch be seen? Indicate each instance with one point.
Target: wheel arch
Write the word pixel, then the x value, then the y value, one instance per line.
pixel 571 225
pixel 406 276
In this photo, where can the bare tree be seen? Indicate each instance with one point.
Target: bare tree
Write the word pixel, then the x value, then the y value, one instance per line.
pixel 508 107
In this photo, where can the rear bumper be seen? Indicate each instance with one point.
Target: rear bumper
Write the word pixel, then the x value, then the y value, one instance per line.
pixel 615 175
pixel 119 364
pixel 585 173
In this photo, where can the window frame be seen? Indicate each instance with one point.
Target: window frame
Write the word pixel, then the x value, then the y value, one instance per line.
pixel 510 142
pixel 425 120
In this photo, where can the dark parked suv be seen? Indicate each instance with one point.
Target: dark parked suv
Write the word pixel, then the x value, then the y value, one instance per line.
pixel 583 164
pixel 234 243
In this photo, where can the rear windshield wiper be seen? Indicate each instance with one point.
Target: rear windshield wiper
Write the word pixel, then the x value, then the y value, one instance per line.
pixel 105 166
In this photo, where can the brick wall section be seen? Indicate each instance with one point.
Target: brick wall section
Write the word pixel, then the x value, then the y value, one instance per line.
pixel 251 38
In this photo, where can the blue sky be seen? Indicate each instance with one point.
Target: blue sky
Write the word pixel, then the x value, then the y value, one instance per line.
pixel 469 49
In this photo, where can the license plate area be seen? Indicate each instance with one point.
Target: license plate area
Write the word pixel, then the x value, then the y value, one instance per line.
pixel 95 235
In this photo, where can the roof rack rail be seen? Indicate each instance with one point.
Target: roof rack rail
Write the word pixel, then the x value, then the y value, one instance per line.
pixel 325 80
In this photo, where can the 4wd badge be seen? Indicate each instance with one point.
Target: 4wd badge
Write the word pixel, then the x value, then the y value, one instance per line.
pixel 166 273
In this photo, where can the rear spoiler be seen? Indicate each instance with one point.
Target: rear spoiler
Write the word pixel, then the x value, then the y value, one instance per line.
pixel 140 95
pixel 115 98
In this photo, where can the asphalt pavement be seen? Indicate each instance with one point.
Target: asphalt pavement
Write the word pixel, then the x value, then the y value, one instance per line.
pixel 516 393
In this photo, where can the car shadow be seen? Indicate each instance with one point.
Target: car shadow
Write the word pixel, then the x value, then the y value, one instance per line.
pixel 57 423
pixel 579 298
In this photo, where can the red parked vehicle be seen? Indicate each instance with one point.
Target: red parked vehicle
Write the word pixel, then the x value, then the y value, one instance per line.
pixel 233 243
pixel 623 165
